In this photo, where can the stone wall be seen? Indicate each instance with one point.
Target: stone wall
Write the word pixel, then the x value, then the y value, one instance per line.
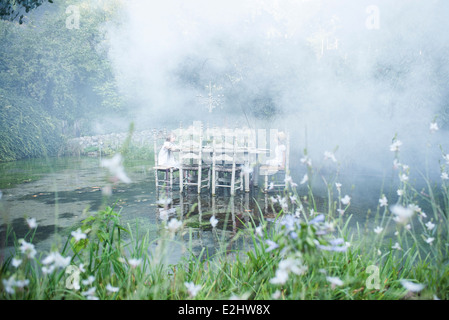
pixel 108 143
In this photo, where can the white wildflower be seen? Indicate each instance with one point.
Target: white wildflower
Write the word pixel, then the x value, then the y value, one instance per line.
pixel 111 289
pixel 163 214
pixel 429 240
pixel 134 263
pixel 411 286
pixel 78 235
pixel 403 177
pixel 335 281
pixel 89 293
pixel 383 201
pixel 81 267
pixel 49 259
pixel 338 186
pixel 57 260
pixel 88 281
pixel 433 127
pixel 281 277
pixel 22 283
pixel 329 155
pixel 276 295
pixel 293 265
pixel 285 267
pixel 271 245
pixel 402 214
pixel 446 157
pixel 396 246
pixel 283 202
pixel 414 207
pixel 244 296
pixel 27 248
pixel 430 225
pixel 396 164
pixel 395 146
pixel 192 288
pixel 345 200
pixel 213 221
pixel 306 160
pixel 444 176
pixel 304 179
pixel 48 270
pixel 116 168
pixel 173 225
pixel 423 214
pixel 378 229
pixel 32 224
pixel 11 283
pixel 259 231
pixel 16 262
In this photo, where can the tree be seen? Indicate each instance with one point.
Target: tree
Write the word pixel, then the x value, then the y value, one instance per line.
pixel 13 9
pixel 59 73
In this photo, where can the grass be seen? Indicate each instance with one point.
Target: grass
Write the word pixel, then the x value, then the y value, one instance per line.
pixel 302 254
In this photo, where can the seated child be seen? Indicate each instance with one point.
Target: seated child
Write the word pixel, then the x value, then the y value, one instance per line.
pixel 279 153
pixel 166 156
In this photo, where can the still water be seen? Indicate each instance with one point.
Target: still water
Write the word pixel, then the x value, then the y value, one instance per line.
pixel 60 192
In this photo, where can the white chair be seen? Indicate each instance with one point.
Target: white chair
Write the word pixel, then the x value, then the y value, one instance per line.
pixel 277 173
pixel 192 169
pixel 226 173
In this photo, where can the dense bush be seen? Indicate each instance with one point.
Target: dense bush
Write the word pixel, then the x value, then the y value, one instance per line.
pixel 25 130
pixel 55 80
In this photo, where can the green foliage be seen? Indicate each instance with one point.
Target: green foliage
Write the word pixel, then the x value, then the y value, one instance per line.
pixel 25 130
pixel 103 227
pixel 138 272
pixel 50 73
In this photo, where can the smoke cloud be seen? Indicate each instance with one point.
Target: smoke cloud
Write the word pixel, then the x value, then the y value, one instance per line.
pixel 347 74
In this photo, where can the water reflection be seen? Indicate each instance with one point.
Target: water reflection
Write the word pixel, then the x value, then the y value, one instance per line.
pixel 198 209
pixel 61 198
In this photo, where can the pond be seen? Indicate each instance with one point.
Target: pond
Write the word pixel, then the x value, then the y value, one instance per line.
pixel 60 192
